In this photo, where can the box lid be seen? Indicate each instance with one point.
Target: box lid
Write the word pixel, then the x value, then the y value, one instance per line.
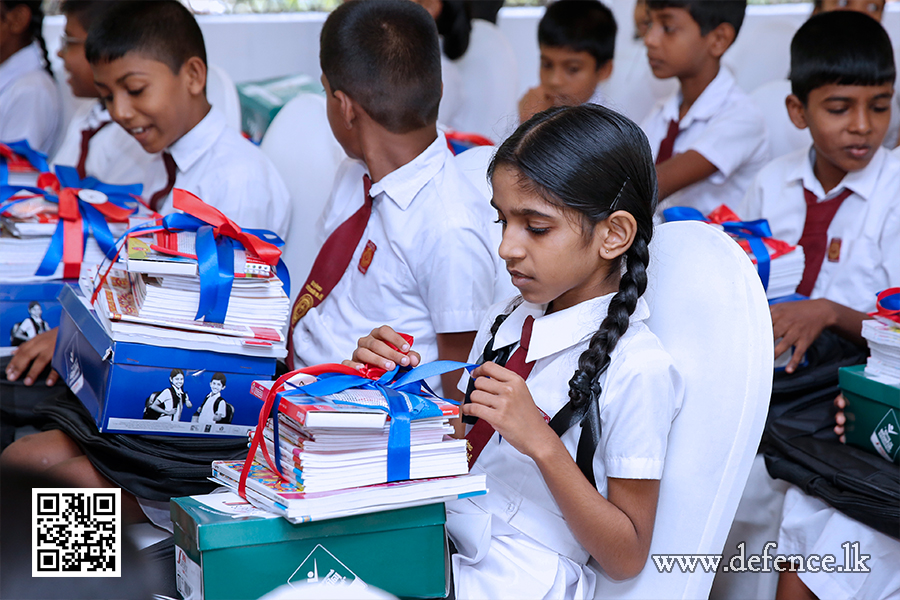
pixel 147 355
pixel 212 529
pixel 37 290
pixel 853 379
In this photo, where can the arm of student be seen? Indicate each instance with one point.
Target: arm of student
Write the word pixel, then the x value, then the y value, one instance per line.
pixel 32 358
pixel 374 350
pixel 616 532
pixel 798 324
pixel 681 171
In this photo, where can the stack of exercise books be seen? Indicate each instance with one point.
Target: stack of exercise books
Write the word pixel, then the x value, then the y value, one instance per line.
pixel 786 265
pixel 334 457
pixel 883 337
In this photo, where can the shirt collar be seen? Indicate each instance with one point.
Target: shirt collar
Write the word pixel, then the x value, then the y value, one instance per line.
pixel 862 182
pixel 188 149
pixel 560 330
pixel 403 184
pixel 706 105
pixel 23 61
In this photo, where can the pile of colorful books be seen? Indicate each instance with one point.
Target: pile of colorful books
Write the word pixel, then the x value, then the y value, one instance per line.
pixel 883 337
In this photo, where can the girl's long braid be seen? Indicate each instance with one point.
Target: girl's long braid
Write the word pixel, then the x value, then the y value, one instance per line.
pixel 594 361
pixel 36 29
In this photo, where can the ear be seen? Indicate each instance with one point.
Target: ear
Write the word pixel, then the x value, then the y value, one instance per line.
pixel 796 111
pixel 18 19
pixel 348 109
pixel 604 72
pixel 195 71
pixel 616 233
pixel 721 38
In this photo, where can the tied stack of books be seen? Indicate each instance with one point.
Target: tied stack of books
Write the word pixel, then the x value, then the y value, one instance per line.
pixel 883 337
pixel 334 456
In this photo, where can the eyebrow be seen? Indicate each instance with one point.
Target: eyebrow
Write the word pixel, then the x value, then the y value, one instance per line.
pixel 524 212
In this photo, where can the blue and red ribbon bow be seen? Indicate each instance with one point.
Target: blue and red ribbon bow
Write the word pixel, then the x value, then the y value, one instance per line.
pixel 888 305
pixel 15 153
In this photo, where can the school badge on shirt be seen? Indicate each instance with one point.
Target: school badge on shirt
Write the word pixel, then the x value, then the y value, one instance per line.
pixel 834 250
pixel 366 259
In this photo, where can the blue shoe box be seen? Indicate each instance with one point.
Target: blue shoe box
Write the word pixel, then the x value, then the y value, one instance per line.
pixel 143 389
pixel 28 308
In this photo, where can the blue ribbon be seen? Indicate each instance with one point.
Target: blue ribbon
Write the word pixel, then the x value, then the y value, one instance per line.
pixel 752 231
pixel 404 399
pixel 37 159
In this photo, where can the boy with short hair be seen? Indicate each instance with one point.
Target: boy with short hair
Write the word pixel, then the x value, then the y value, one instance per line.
pixel 149 65
pixel 577 40
pixel 408 239
pixel 708 139
pixel 93 143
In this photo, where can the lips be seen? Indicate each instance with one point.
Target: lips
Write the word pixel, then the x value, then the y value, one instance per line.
pixel 858 152
pixel 518 278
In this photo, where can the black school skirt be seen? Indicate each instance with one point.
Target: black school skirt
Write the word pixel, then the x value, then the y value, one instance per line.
pixel 155 467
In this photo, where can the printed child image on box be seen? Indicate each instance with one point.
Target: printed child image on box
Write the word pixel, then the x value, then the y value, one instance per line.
pixel 29 327
pixel 214 408
pixel 166 405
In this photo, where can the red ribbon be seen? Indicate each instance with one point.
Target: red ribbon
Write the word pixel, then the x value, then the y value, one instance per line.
pixel 883 311
pixel 723 214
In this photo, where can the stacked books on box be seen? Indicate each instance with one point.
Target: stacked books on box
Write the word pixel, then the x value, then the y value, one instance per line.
pixel 333 457
pixel 883 337
pixel 785 267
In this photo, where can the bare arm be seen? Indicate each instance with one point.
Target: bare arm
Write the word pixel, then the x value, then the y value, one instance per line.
pixel 681 171
pixel 798 324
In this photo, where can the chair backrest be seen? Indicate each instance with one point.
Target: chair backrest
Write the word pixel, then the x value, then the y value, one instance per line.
pixel 709 310
pixel 783 136
pixel 474 163
pixel 300 144
pixel 222 93
pixel 490 80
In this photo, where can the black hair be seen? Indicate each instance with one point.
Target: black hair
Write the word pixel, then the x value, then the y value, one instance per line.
pixel 593 161
pixel 385 55
pixel 176 372
pixel 218 377
pixel 87 12
pixel 34 303
pixel 455 26
pixel 842 47
pixel 164 30
pixel 708 14
pixel 581 26
pixel 35 26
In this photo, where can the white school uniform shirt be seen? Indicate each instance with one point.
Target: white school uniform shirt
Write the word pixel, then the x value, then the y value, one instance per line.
pixel 30 106
pixel 432 271
pixel 514 542
pixel 207 412
pixel 114 156
pixel 228 172
pixel 452 98
pixel 867 223
pixel 725 127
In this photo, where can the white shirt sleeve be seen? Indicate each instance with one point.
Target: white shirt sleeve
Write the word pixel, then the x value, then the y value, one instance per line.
pixel 30 110
pixel 731 138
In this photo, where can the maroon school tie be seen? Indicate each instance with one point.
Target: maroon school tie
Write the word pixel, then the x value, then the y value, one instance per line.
pixel 482 431
pixel 815 236
pixel 86 135
pixel 667 146
pixel 330 265
pixel 157 199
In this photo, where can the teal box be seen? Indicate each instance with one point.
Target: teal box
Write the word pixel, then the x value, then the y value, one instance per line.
pixel 220 557
pixel 261 100
pixel 873 413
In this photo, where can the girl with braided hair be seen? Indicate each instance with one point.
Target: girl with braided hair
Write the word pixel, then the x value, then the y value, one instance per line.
pixel 572 431
pixel 29 100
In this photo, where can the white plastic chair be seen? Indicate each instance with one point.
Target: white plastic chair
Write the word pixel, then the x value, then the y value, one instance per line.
pixel 491 82
pixel 222 93
pixel 709 310
pixel 784 137
pixel 474 163
pixel 300 144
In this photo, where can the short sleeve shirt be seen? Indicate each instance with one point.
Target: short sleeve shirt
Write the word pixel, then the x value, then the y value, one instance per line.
pixel 30 106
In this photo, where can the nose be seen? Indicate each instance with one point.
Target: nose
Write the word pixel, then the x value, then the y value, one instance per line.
pixel 120 109
pixel 862 121
pixel 510 248
pixel 651 38
pixel 556 77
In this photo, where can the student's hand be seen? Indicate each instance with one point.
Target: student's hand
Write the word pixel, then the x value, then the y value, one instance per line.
pixel 840 419
pixel 798 324
pixel 503 400
pixel 374 350
pixel 535 100
pixel 33 356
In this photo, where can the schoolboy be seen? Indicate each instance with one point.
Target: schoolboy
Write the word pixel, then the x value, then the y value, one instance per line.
pixel 149 65
pixel 417 251
pixel 93 143
pixel 577 40
pixel 709 140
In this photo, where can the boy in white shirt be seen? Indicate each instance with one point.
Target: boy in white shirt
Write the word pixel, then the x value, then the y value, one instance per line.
pixel 414 250
pixel 149 65
pixel 708 139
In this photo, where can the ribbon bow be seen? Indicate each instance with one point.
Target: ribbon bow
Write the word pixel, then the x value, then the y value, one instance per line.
pixel 888 305
pixel 19 155
pixel 755 233
pixel 401 390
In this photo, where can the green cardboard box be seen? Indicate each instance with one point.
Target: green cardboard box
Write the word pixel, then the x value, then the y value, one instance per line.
pixel 220 557
pixel 873 413
pixel 261 100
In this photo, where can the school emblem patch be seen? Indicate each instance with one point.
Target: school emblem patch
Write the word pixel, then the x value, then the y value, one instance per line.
pixel 834 250
pixel 302 306
pixel 366 259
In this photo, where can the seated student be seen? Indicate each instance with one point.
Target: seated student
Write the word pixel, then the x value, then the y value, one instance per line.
pixel 149 65
pixel 708 139
pixel 577 41
pixel 408 238
pixel 93 142
pixel 29 101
